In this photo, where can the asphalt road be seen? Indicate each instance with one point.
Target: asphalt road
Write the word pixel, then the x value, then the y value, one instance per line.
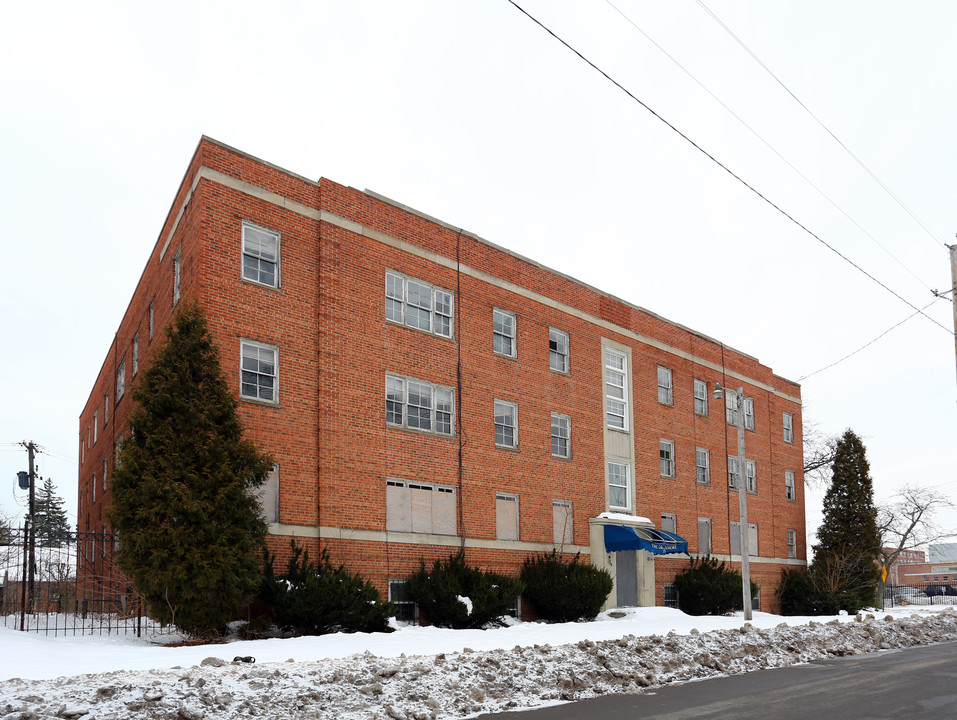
pixel 911 684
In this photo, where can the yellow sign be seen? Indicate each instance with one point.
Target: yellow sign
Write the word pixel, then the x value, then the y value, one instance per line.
pixel 884 574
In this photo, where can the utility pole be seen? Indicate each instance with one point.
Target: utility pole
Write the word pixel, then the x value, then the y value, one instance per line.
pixel 953 286
pixel 31 454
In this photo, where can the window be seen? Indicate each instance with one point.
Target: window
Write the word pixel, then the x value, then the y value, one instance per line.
pixel 268 495
pixel 792 544
pixel 736 539
pixel 95 428
pixel 788 428
pixel 104 475
pixel 790 491
pixel 562 522
pixel 619 486
pixel 151 321
pixel 558 350
pixel 503 332
pixel 616 390
pixel 136 353
pixel 702 465
pixel 94 488
pixel 669 522
pixel 561 435
pixel 106 407
pixel 405 609
pixel 121 380
pixel 260 255
pixel 417 304
pixel 731 411
pixel 704 536
pixel 751 476
pixel 665 389
pixel 666 452
pixel 506 516
pixel 419 507
pixel 701 397
pixel 176 275
pixel 506 424
pixel 418 405
pixel 259 377
pixel 732 471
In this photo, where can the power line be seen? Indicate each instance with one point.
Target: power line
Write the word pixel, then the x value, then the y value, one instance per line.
pixel 890 192
pixel 726 168
pixel 867 345
pixel 766 143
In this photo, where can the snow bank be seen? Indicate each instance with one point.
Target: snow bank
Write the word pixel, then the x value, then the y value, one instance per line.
pixel 458 684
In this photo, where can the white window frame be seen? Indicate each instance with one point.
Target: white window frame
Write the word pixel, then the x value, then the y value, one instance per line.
pixel 666 394
pixel 620 472
pixel 505 530
pixel 415 310
pixel 792 544
pixel 177 273
pixel 731 411
pixel 251 373
pixel 666 457
pixel 136 352
pixel 790 489
pixel 257 258
pixel 504 333
pixel 404 393
pixel 121 380
pixel 733 471
pixel 558 350
pixel 702 466
pixel 95 427
pixel 616 379
pixel 751 475
pixel 788 422
pixel 106 408
pixel 152 318
pixel 506 423
pixel 701 397
pixel 562 435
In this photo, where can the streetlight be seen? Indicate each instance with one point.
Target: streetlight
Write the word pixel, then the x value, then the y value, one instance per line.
pixel 738 396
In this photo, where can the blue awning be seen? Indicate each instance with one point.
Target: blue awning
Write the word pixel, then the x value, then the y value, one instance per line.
pixel 658 542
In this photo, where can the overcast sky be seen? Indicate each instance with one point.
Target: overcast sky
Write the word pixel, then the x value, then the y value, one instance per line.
pixel 472 113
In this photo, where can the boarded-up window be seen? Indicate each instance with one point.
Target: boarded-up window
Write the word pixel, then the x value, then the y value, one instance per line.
pixel 268 494
pixel 564 529
pixel 506 516
pixel 736 538
pixel 704 536
pixel 419 507
pixel 669 522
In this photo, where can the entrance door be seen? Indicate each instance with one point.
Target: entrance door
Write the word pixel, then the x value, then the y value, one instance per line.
pixel 626 577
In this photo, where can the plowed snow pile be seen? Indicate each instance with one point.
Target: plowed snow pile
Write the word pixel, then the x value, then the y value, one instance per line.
pixel 456 684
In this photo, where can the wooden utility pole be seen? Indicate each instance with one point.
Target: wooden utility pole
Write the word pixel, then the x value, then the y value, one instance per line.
pixel 31 570
pixel 953 287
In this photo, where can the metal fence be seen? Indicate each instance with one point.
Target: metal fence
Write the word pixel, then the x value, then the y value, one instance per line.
pixel 67 585
pixel 925 594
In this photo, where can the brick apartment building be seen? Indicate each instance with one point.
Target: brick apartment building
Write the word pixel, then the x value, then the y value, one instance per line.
pixel 423 390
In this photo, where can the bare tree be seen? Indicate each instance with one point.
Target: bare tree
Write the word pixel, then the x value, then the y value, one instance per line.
pixel 819 450
pixel 907 521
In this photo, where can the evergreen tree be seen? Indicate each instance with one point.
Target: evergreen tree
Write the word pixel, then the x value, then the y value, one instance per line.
pixel 49 521
pixel 183 490
pixel 848 541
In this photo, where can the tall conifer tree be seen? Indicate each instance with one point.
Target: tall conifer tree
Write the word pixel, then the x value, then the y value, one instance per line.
pixel 848 540
pixel 183 491
pixel 50 523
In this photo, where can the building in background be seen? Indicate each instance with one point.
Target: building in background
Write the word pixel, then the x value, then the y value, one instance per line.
pixel 905 557
pixel 423 391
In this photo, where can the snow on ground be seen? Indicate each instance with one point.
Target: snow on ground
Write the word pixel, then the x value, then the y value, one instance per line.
pixel 421 673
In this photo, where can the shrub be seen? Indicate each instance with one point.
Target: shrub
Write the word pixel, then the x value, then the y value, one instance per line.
pixel 708 587
pixel 455 595
pixel 564 591
pixel 315 599
pixel 831 583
